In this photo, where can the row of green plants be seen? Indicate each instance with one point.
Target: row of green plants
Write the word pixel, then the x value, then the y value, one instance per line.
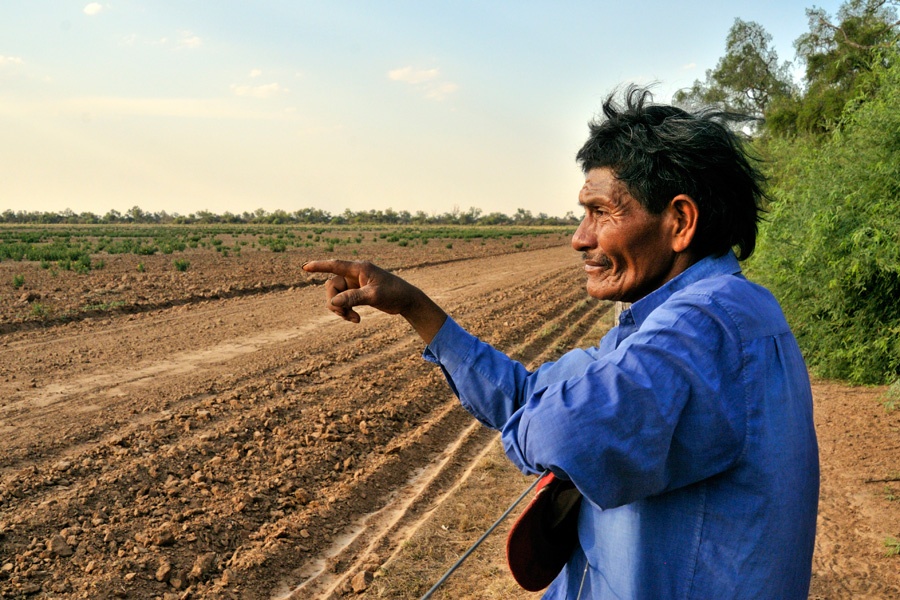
pixel 18 280
pixel 76 244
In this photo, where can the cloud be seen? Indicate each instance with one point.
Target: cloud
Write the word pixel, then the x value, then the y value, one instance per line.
pixel 426 81
pixel 268 90
pixel 91 107
pixel 94 8
pixel 255 73
pixel 184 39
pixel 10 60
pixel 410 75
pixel 689 67
pixel 189 40
pixel 440 91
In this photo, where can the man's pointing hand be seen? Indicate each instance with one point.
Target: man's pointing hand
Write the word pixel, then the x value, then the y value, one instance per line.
pixel 365 284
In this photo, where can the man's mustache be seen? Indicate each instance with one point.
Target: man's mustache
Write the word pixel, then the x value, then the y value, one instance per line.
pixel 601 260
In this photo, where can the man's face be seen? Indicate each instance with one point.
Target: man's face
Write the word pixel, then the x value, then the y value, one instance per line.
pixel 627 250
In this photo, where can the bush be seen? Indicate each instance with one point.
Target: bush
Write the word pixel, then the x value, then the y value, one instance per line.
pixel 181 264
pixel 830 249
pixel 18 281
pixel 82 265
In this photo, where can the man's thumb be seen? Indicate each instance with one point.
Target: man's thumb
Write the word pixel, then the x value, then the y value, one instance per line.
pixel 348 299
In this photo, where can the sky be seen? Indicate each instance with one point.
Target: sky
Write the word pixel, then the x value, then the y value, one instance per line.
pixel 287 104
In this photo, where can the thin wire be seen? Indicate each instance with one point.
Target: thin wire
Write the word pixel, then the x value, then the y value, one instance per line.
pixel 490 530
pixel 583 577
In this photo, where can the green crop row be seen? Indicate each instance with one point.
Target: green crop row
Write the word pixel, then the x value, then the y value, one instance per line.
pixel 55 243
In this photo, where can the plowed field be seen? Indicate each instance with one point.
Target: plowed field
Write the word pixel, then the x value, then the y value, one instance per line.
pixel 224 436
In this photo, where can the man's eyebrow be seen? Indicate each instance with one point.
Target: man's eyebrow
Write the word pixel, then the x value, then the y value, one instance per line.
pixel 594 201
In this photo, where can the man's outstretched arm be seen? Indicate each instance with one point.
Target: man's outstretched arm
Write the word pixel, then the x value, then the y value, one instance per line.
pixel 364 284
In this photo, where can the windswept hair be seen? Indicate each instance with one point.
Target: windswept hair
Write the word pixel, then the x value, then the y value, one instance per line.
pixel 661 151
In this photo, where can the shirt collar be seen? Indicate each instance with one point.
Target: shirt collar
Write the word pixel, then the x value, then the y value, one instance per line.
pixel 711 266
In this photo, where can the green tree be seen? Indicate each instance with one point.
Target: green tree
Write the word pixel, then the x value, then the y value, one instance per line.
pixel 836 52
pixel 113 216
pixel 748 78
pixel 135 215
pixel 522 217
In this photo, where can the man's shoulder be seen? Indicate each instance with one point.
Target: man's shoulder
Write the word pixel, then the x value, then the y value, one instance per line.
pixel 751 307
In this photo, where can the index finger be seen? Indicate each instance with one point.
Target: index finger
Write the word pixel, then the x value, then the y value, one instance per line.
pixel 344 268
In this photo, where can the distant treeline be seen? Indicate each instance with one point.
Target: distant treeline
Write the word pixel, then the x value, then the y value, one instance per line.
pixel 473 216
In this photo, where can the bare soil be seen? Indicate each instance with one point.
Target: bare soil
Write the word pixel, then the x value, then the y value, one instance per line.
pixel 216 433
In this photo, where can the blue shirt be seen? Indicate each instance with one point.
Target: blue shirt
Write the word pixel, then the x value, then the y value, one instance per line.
pixel 689 431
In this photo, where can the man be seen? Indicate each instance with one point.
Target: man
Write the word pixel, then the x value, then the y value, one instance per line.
pixel 689 429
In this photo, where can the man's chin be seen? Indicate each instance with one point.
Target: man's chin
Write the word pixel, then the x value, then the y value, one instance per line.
pixel 601 292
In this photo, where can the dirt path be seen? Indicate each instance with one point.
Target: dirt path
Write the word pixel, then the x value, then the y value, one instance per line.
pixel 859 501
pixel 255 447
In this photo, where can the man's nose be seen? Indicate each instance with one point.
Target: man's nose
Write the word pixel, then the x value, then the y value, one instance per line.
pixel 583 238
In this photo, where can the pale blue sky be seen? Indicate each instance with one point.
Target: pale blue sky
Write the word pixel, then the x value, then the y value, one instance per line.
pixel 278 104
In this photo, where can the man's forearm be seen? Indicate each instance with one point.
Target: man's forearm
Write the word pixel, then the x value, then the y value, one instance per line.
pixel 425 316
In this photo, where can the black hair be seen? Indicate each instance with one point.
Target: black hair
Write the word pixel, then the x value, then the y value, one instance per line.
pixel 659 151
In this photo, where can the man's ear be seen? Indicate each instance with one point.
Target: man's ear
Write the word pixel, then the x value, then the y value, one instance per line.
pixel 685 216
